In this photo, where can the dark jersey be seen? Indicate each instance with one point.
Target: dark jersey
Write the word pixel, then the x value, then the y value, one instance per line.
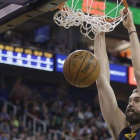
pixel 126 134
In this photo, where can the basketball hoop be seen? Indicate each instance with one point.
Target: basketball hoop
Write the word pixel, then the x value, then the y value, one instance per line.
pixel 90 25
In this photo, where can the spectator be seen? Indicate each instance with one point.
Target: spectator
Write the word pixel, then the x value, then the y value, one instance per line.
pixel 15 121
pixel 4 136
pixel 4 114
pixel 5 128
pixel 88 113
pixel 3 92
pixel 99 122
pixel 81 114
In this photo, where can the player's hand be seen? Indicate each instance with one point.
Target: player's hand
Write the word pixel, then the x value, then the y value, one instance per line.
pixel 128 20
pixel 102 34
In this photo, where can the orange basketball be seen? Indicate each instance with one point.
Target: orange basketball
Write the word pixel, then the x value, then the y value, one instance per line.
pixel 81 68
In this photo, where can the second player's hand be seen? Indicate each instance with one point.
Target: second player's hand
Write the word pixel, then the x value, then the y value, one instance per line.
pixel 128 20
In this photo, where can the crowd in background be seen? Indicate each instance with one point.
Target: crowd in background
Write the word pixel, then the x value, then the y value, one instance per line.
pixel 55 46
pixel 18 40
pixel 79 119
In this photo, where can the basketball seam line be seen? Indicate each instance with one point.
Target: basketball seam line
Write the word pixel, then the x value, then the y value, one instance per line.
pixel 89 74
pixel 80 68
pixel 69 66
pixel 72 83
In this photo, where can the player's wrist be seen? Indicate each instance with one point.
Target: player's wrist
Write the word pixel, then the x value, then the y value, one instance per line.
pixel 131 28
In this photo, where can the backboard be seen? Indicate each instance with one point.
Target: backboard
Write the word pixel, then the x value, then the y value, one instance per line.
pixel 15 12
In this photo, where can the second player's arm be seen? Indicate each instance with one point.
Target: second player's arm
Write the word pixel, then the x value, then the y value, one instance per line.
pixel 135 53
pixel 135 46
pixel 112 114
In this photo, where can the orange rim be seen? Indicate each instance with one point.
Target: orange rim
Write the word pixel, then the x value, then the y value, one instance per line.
pixel 107 19
pixel 125 11
pixel 59 6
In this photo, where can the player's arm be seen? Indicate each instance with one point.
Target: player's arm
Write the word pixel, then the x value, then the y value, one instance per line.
pixel 135 46
pixel 112 114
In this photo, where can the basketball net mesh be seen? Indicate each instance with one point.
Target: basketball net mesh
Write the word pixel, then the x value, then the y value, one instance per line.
pixel 90 25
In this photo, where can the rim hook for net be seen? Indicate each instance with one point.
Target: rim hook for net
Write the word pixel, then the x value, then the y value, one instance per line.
pixel 125 12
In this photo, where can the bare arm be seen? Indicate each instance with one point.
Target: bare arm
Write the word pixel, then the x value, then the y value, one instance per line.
pixel 109 107
pixel 135 46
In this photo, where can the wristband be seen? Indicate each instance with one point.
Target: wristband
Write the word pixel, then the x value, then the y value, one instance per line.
pixel 132 32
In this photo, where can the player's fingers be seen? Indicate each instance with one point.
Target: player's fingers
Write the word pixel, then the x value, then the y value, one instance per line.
pixel 121 12
pixel 129 13
pixel 126 10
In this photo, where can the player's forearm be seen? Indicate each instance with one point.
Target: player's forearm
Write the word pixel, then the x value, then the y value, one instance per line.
pixel 106 95
pixel 100 52
pixel 135 51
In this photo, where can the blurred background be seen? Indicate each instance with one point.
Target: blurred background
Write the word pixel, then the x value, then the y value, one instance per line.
pixel 36 102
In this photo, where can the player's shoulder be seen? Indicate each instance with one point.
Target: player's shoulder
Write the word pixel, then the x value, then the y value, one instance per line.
pixel 119 136
pixel 117 132
pixel 126 133
pixel 125 130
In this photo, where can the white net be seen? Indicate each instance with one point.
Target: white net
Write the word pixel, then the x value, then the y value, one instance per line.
pixel 90 25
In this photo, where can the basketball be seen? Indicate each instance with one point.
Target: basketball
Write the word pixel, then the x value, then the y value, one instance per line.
pixel 81 68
